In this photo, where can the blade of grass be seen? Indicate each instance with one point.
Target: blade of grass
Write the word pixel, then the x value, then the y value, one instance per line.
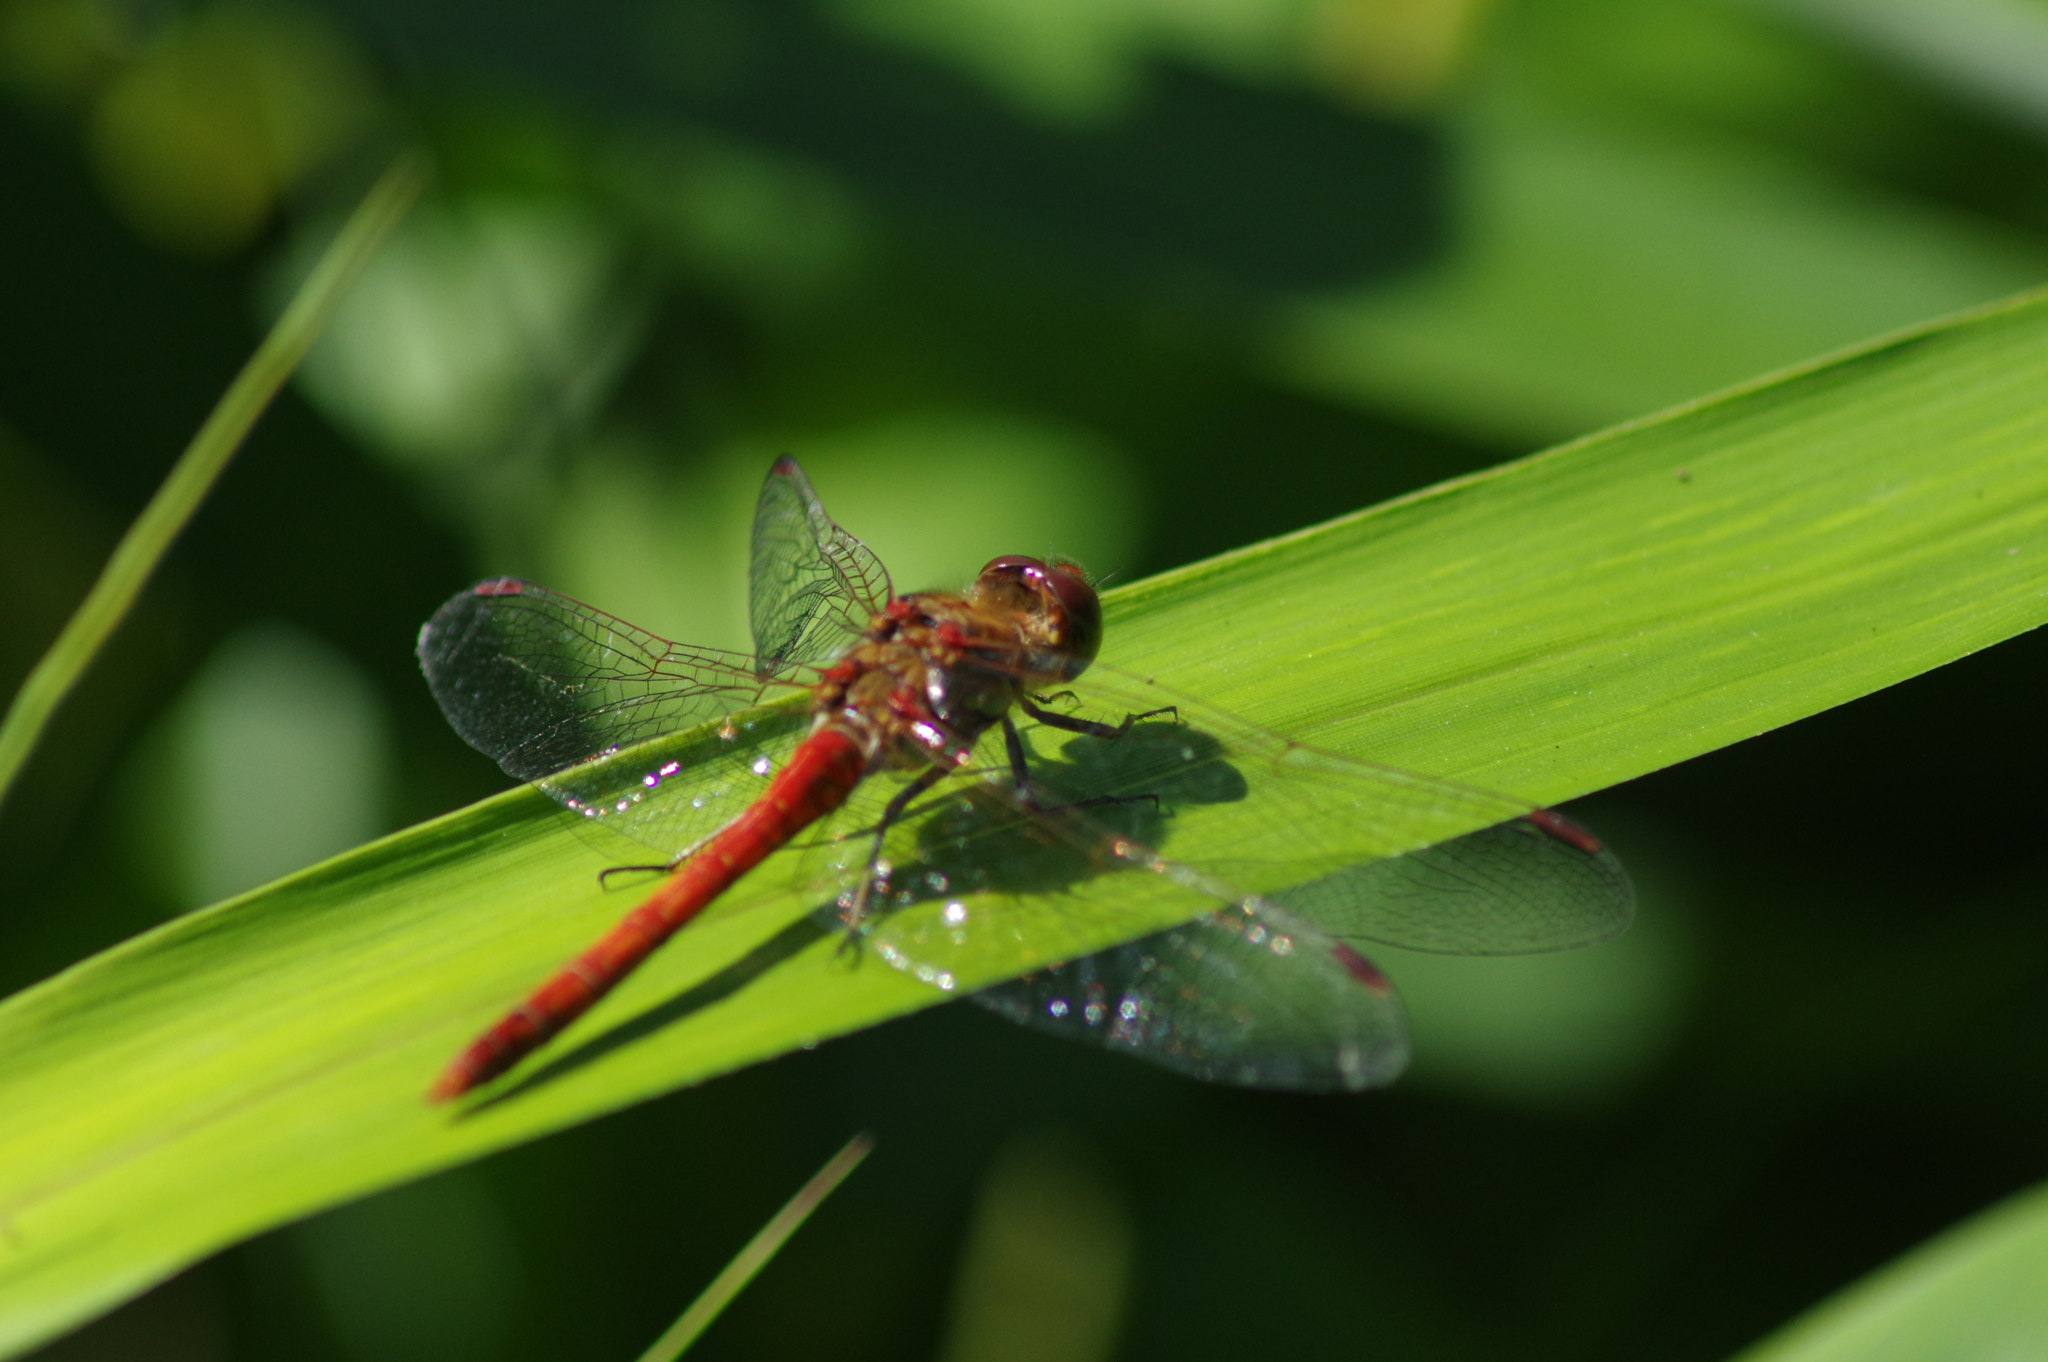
pixel 1547 628
pixel 763 1246
pixel 193 476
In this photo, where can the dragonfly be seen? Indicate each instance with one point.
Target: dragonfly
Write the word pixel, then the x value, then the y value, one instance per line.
pixel 889 749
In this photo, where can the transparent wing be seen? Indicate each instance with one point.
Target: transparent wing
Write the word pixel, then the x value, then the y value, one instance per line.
pixel 574 699
pixel 812 587
pixel 1298 849
pixel 1247 996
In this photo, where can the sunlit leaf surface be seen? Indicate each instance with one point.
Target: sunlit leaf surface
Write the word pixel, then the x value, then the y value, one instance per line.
pixel 1544 630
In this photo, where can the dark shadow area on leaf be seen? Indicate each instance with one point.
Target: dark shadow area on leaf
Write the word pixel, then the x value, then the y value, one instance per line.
pixel 1102 790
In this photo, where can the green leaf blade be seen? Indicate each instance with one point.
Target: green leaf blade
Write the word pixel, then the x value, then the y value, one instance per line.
pixel 1545 629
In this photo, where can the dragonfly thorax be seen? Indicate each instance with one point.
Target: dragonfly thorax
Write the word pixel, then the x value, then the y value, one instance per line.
pixel 935 670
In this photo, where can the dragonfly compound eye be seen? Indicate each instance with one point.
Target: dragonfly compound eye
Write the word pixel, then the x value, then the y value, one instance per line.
pixel 1066 604
pixel 1079 611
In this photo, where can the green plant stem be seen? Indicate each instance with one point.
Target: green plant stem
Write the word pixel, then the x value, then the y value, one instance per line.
pixel 193 476
pixel 756 1254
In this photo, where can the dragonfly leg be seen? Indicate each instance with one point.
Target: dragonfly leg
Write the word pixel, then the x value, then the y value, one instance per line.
pixel 1034 706
pixel 854 914
pixel 1020 767
pixel 666 867
pixel 604 876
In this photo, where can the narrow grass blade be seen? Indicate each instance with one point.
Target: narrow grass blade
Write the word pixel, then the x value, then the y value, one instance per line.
pixel 763 1246
pixel 153 532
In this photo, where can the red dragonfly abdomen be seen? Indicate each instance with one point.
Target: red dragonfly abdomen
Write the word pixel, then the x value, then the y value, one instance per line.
pixel 821 773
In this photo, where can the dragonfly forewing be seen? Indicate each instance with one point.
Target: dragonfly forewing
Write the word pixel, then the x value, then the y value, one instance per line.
pixel 538 681
pixel 811 587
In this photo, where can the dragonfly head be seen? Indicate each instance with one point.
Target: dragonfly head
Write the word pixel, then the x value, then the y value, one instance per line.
pixel 1063 614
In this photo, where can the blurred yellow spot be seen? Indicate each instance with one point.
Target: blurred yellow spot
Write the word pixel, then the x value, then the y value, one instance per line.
pixel 1398 55
pixel 196 141
pixel 58 51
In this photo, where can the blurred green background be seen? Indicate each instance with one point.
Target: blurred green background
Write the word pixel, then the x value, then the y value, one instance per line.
pixel 1131 280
